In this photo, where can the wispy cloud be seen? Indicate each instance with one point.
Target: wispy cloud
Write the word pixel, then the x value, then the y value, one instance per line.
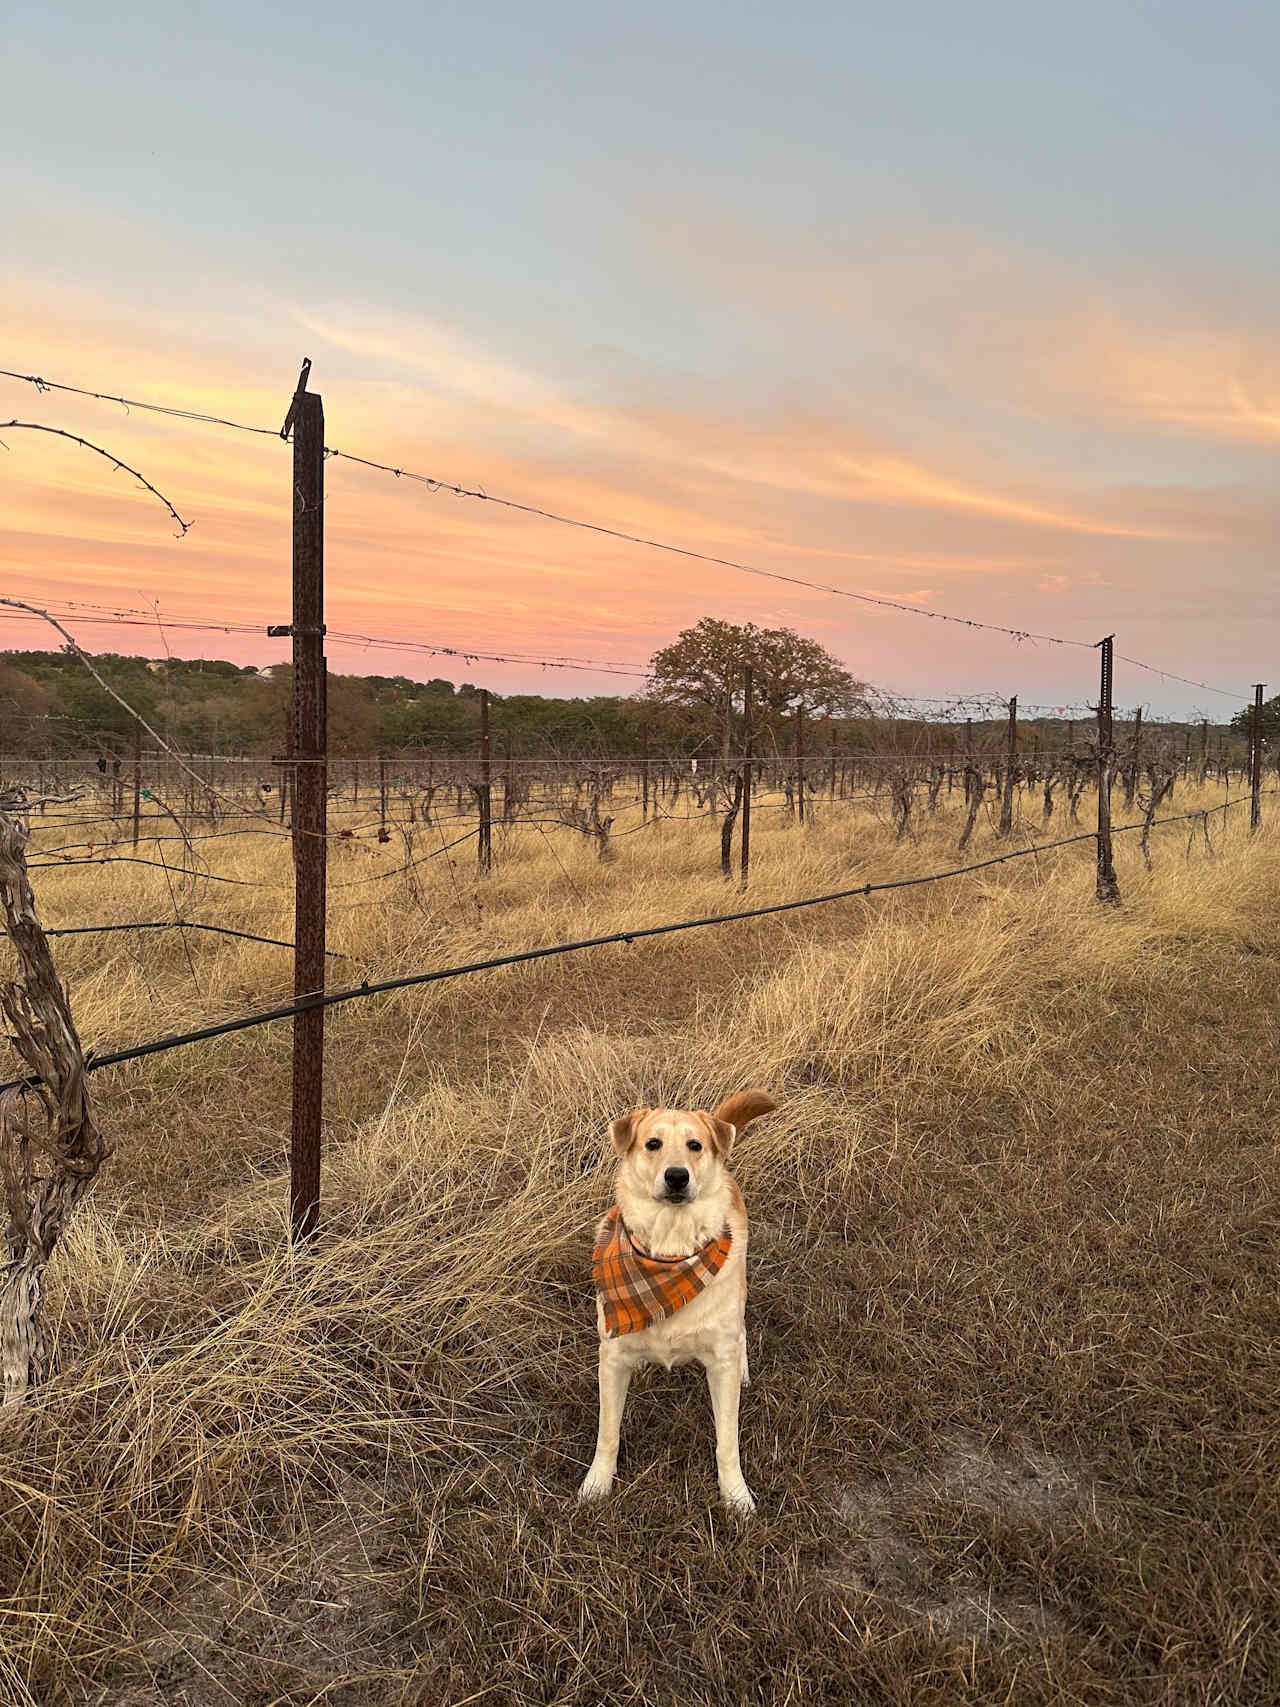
pixel 797 454
pixel 1007 330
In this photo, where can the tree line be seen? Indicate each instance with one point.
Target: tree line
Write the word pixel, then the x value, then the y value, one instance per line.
pixel 692 705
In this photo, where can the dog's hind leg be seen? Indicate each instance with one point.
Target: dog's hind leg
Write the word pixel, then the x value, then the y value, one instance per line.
pixel 615 1378
pixel 724 1379
pixel 746 1367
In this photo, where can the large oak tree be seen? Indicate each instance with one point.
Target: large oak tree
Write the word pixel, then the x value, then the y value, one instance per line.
pixel 704 666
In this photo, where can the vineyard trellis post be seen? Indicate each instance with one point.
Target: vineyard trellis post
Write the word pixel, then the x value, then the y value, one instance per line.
pixel 137 781
pixel 1135 760
pixel 1108 888
pixel 1010 769
pixel 310 801
pixel 286 766
pixel 746 776
pixel 1255 759
pixel 485 850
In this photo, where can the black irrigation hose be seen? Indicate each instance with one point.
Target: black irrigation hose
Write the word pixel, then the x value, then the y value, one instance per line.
pixel 334 998
pixel 131 859
pixel 241 882
pixel 185 925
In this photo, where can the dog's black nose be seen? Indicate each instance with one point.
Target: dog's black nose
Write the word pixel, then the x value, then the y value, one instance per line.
pixel 676 1178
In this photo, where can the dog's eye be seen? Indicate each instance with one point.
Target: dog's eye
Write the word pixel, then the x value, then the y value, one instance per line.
pixel 654 1144
pixel 694 1144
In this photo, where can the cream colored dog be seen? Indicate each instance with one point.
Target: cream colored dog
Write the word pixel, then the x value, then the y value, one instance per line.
pixel 677 1205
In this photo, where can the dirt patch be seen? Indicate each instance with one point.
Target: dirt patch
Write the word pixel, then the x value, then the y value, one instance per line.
pixel 888 1558
pixel 313 1617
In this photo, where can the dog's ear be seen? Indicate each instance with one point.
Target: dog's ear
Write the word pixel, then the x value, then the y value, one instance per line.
pixel 723 1133
pixel 623 1129
pixel 740 1110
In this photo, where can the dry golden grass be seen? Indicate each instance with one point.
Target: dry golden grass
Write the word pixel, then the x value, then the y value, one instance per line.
pixel 1014 1334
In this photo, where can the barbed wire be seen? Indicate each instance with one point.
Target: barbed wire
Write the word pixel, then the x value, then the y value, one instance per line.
pixel 448 766
pixel 378 642
pixel 435 484
pixel 86 444
pixel 129 403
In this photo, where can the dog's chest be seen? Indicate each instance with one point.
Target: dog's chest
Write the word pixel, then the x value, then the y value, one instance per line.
pixel 707 1327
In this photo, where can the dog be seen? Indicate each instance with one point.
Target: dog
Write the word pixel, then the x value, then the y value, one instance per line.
pixel 670 1267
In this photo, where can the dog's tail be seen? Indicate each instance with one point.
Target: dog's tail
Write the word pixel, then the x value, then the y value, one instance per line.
pixel 744 1107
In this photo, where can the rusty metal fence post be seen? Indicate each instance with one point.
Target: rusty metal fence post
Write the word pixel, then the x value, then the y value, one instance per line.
pixel 310 802
pixel 1010 769
pixel 485 798
pixel 746 776
pixel 137 781
pixel 1255 760
pixel 1108 889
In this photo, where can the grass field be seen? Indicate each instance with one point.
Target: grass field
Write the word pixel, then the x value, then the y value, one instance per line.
pixel 1014 1425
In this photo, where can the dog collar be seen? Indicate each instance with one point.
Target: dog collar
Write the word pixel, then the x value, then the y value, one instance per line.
pixel 636 1289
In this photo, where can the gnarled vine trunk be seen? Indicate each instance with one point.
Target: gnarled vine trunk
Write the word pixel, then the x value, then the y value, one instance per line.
pixel 50 1149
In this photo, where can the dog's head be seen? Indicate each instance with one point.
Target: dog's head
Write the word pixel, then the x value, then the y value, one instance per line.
pixel 673 1155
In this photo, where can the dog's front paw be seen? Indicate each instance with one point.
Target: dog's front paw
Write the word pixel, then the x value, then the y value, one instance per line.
pixel 738 1497
pixel 597 1484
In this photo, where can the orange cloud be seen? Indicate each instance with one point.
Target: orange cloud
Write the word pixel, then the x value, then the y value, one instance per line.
pixel 823 458
pixel 1049 339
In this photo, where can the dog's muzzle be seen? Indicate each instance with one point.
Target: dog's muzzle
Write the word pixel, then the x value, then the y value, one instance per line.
pixel 676 1182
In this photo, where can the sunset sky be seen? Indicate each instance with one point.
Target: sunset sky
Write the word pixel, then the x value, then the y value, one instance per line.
pixel 970 307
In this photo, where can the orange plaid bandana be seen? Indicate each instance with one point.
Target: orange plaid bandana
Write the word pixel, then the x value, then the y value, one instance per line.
pixel 638 1290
